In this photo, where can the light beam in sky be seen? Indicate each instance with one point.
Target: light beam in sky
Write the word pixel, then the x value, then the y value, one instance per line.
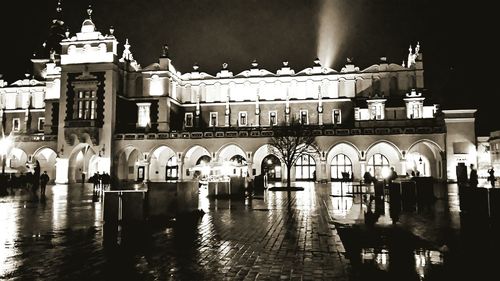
pixel 330 31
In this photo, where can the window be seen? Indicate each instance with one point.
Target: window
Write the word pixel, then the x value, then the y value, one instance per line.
pixel 376 110
pixel 273 120
pixel 305 168
pixel 172 169
pixel 340 164
pixel 16 125
pixel 188 120
pixel 415 109
pixel 86 105
pixel 213 119
pixel 336 116
pixel 303 117
pixel 41 122
pixel 242 120
pixel 376 163
pixel 143 114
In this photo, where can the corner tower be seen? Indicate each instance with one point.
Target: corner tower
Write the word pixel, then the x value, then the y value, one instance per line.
pixel 89 85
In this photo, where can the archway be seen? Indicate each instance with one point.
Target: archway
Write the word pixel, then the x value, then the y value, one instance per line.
pixel 351 152
pixel 387 154
pixel 424 158
pixel 376 164
pixel 83 163
pixel 271 166
pixel 172 169
pixel 126 162
pixel 159 161
pixel 229 151
pixel 47 159
pixel 258 157
pixel 194 156
pixel 17 159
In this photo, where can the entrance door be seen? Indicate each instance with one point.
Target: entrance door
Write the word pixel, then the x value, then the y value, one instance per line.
pixel 140 173
pixel 271 166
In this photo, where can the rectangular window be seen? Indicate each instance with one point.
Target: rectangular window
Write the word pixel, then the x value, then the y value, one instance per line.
pixel 86 105
pixel 242 120
pixel 273 120
pixel 143 114
pixel 213 119
pixel 16 125
pixel 188 120
pixel 304 119
pixel 336 117
pixel 41 122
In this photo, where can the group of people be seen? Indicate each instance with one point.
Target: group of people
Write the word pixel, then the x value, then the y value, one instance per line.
pixel 474 179
pixel 100 181
pixel 30 181
pixel 368 178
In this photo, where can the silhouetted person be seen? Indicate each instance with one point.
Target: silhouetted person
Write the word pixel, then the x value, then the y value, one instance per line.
pixel 367 177
pixel 393 175
pixel 492 178
pixel 44 179
pixel 473 180
pixel 314 176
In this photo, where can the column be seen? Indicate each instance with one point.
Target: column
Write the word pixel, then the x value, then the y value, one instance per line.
pixel 146 171
pixel 362 168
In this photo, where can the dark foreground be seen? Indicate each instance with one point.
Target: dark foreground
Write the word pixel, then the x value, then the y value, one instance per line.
pixel 276 236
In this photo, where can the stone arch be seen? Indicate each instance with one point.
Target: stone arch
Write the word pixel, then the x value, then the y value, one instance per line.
pixel 125 161
pixel 82 160
pixel 348 149
pixel 191 155
pixel 229 150
pixel 46 157
pixel 389 150
pixel 258 156
pixel 158 159
pixel 425 156
pixel 18 159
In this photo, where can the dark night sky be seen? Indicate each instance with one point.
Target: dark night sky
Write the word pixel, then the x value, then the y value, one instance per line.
pixel 454 37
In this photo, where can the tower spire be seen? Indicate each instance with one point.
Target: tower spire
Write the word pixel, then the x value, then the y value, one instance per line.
pixel 89 11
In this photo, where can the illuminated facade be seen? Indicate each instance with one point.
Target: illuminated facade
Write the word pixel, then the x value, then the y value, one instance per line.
pixel 90 109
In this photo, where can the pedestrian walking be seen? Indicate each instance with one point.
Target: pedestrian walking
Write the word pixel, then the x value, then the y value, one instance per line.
pixel 44 179
pixel 492 178
pixel 473 179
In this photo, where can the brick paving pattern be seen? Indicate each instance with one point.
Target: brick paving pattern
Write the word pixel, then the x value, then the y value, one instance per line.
pixel 275 237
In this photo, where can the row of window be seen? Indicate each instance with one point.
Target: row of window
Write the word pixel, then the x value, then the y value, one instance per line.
pixel 16 124
pixel 273 118
pixel 305 167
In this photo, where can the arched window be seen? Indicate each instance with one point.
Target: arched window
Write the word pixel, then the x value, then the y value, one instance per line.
pixel 205 159
pixel 340 164
pixel 238 159
pixel 376 163
pixel 305 168
pixel 393 87
pixel 172 172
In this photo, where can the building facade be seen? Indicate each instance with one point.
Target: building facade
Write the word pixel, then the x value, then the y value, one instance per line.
pixel 87 108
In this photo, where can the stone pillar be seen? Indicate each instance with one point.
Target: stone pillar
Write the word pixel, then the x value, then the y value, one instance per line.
pixel 146 171
pixel 180 167
pixel 323 175
pixel 362 168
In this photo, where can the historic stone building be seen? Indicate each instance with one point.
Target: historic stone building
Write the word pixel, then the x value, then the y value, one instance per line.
pixel 88 108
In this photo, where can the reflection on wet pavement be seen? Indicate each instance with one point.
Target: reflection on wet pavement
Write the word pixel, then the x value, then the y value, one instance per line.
pixel 274 236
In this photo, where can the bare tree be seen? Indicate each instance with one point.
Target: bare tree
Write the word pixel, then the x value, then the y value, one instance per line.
pixel 289 142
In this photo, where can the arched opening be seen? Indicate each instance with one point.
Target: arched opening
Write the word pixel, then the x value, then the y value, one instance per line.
pixel 125 166
pixel 376 164
pixel 393 86
pixel 424 159
pixel 46 157
pixel 172 169
pixel 192 158
pixel 305 168
pixel 271 166
pixel 83 163
pixel 203 160
pixel 341 167
pixel 238 162
pixel 159 162
pixel 17 159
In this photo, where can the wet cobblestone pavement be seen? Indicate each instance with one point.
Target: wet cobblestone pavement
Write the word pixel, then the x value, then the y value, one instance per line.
pixel 273 237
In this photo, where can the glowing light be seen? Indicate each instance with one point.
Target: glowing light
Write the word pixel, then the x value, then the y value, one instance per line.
pixel 386 172
pixel 330 31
